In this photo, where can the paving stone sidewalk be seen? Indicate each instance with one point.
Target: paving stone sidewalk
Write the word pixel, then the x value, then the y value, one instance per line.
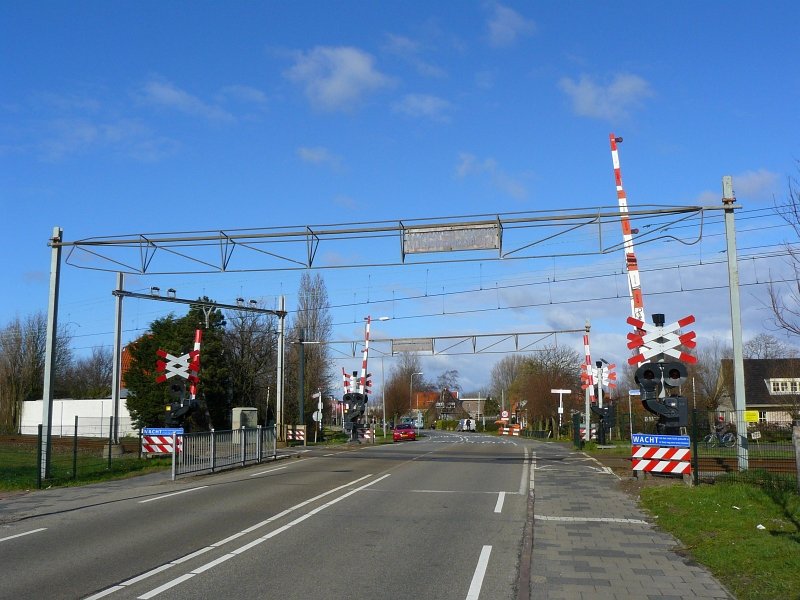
pixel 590 540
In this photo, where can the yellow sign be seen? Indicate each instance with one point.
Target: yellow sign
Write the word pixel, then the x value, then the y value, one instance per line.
pixel 751 416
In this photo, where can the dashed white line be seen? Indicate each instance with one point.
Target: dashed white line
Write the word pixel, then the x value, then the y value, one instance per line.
pixel 480 570
pixel 267 471
pixel 172 494
pixel 11 537
pixel 498 508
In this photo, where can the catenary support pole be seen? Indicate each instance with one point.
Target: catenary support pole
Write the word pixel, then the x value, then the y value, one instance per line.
pixel 116 369
pixel 280 374
pixel 50 351
pixel 740 403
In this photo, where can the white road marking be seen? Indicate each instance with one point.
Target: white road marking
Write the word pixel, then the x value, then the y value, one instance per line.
pixel 480 570
pixel 267 471
pixel 196 553
pixel 498 508
pixel 172 494
pixel 11 537
pixel 166 586
pixel 256 542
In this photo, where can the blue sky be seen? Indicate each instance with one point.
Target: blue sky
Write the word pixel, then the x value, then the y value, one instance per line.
pixel 134 117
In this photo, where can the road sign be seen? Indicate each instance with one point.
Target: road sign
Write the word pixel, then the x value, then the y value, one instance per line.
pixel 162 430
pixel 671 441
pixel 504 414
pixel 317 416
pixel 655 341
pixel 186 366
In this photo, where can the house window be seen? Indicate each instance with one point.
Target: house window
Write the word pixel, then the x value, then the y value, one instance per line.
pixel 783 385
pixel 762 416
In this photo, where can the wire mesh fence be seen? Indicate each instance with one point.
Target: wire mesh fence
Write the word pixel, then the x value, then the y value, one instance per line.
pixel 39 460
pixel 764 452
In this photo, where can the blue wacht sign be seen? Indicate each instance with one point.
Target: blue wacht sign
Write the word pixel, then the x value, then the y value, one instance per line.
pixel 162 431
pixel 667 441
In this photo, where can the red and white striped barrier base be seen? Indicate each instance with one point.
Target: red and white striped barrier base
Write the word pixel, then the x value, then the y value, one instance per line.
pixel 511 430
pixel 298 435
pixel 655 459
pixel 160 444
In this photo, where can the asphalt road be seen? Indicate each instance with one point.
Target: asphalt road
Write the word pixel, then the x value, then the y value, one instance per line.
pixel 443 517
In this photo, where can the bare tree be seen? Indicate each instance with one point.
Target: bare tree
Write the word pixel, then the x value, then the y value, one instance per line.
pixel 504 373
pixel 552 367
pixel 706 375
pixel 90 376
pixel 786 306
pixel 400 385
pixel 765 345
pixel 22 356
pixel 250 346
pixel 448 380
pixel 312 327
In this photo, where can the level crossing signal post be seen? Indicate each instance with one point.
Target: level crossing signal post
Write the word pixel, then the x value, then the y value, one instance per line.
pixel 660 380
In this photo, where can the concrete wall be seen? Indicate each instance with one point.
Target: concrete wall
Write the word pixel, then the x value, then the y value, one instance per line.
pixel 93 417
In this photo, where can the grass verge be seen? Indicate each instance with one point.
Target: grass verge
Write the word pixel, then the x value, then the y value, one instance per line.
pixel 18 468
pixel 747 536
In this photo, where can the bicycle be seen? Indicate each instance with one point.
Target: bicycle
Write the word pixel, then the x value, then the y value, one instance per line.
pixel 726 440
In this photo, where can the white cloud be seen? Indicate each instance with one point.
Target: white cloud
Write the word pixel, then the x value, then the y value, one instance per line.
pixel 410 51
pixel 748 185
pixel 336 78
pixel 591 99
pixel 754 185
pixel 506 25
pixel 424 105
pixel 244 93
pixel 318 155
pixel 469 165
pixel 167 95
pixel 66 137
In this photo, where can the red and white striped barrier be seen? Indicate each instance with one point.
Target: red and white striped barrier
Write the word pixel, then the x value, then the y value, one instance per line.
pixel 297 434
pixel 510 430
pixel 655 459
pixel 160 444
pixel 366 434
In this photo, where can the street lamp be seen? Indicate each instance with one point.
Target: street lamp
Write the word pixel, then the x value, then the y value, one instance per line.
pixel 411 394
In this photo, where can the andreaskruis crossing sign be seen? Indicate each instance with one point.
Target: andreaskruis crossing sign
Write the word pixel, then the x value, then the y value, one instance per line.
pixel 655 341
pixel 186 366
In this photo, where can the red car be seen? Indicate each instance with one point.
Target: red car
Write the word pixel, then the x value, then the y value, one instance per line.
pixel 404 431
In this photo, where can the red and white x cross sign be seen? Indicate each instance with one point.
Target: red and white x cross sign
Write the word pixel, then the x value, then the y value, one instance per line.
pixel 654 340
pixel 186 366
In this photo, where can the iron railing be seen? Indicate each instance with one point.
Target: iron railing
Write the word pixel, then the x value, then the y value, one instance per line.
pixel 211 451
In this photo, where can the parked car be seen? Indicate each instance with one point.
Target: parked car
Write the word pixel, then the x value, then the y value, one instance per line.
pixel 404 431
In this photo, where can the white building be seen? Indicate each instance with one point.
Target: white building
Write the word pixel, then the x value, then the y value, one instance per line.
pixel 94 417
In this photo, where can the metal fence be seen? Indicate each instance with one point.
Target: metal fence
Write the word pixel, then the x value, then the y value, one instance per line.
pixel 764 453
pixel 215 450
